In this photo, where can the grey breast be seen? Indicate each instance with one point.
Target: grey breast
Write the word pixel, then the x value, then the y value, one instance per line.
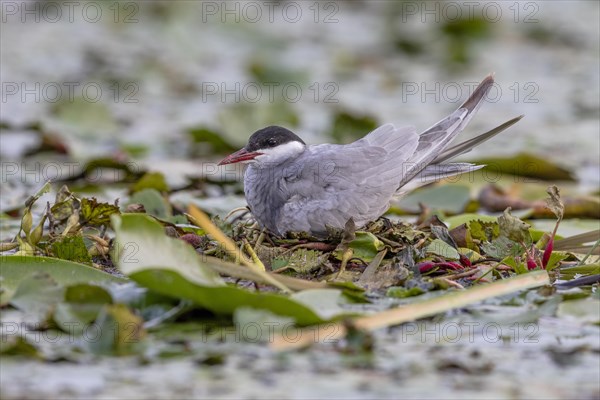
pixel 262 187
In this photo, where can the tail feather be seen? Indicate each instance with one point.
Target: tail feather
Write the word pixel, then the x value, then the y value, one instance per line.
pixel 434 140
pixel 468 145
pixel 436 172
pixel 471 105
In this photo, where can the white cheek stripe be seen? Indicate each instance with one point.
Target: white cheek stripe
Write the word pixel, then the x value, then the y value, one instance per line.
pixel 281 152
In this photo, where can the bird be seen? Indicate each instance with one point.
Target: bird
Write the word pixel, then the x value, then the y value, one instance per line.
pixel 294 187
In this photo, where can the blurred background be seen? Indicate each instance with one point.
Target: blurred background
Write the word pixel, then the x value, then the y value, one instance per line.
pixel 173 86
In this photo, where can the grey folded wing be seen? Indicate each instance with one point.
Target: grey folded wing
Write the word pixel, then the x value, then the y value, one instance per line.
pixel 328 184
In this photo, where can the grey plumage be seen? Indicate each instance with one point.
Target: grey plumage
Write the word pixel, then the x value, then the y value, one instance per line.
pixel 325 185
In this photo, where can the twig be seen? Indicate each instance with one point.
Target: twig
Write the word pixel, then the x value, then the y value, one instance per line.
pixel 389 242
pixel 183 305
pixel 236 271
pixel 463 274
pixel 205 223
pixel 590 252
pixel 486 272
pixel 451 283
pixel 260 238
pixel 202 220
pixel 567 243
pixel 255 258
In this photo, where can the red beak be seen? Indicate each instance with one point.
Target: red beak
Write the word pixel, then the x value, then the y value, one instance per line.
pixel 240 155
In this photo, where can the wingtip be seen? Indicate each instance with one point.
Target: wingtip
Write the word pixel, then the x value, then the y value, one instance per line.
pixel 515 119
pixel 479 93
pixel 511 121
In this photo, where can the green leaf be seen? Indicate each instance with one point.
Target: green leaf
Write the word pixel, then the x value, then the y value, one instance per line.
pixel 62 210
pixel 215 139
pixel 365 246
pixel 555 258
pixel 14 269
pixel 125 170
pixel 442 249
pixel 151 180
pixel 402 292
pixel 519 267
pixel 71 248
pixel 154 203
pixel 501 248
pixel 86 293
pixel 484 231
pixel 472 255
pixel 458 220
pixel 513 228
pixel 96 214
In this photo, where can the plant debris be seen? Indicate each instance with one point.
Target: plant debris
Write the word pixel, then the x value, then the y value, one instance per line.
pixel 64 268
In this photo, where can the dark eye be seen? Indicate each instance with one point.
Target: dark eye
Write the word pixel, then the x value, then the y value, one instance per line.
pixel 272 142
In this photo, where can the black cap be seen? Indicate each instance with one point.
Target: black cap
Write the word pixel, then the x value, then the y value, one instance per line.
pixel 271 136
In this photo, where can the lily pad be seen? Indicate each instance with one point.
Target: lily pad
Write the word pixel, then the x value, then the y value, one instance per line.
pixel 457 220
pixel 240 120
pixel 348 127
pixel 224 300
pixel 14 269
pixel 584 310
pixel 86 116
pixel 525 164
pixel 214 139
pixel 154 203
pixel 36 296
pixel 151 180
pixel 450 198
pixel 172 268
